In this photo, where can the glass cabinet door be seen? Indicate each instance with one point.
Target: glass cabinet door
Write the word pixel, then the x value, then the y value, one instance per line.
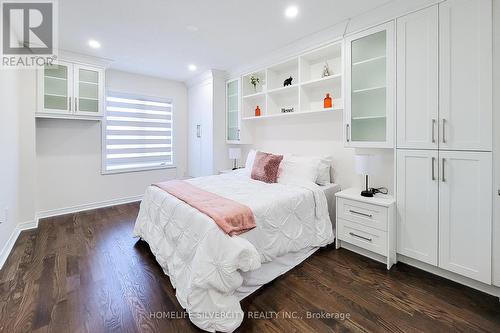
pixel 232 110
pixel 88 87
pixel 56 88
pixel 370 83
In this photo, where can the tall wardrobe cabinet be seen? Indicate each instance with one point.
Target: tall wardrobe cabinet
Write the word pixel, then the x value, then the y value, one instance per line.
pixel 444 136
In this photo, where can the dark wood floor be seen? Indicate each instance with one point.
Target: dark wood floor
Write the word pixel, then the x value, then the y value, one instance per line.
pixel 85 273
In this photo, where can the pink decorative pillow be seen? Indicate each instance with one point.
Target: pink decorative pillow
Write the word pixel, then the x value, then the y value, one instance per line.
pixel 265 167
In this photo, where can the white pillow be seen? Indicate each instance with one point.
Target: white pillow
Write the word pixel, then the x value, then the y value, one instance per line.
pixel 324 167
pixel 297 169
pixel 249 161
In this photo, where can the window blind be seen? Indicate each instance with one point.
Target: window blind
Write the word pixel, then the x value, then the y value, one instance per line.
pixel 138 133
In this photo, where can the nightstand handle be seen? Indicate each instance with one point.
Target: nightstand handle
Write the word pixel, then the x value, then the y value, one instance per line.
pixel 365 238
pixel 362 214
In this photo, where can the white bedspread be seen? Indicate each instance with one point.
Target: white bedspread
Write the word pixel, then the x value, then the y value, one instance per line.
pixel 204 264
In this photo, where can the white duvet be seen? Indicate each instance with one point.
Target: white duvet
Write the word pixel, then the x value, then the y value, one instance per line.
pixel 204 264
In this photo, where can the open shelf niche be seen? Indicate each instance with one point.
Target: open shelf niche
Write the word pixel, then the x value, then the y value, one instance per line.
pixel 307 90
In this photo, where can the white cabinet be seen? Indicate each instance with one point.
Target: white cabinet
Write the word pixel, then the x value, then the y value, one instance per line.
pixel 370 81
pixel 233 107
pixel 465 213
pixel 70 90
pixel 444 202
pixel 465 80
pixel 417 80
pixel 367 223
pixel 417 208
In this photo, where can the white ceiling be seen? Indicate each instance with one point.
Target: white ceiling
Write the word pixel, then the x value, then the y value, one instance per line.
pixel 151 36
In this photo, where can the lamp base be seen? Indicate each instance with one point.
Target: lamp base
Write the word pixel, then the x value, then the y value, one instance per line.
pixel 367 193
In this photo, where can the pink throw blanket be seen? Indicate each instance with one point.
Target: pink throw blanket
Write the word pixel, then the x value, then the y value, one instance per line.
pixel 232 217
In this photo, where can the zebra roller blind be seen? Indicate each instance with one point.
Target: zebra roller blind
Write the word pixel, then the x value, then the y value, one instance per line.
pixel 138 133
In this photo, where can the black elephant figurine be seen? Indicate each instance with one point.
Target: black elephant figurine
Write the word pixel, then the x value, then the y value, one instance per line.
pixel 288 82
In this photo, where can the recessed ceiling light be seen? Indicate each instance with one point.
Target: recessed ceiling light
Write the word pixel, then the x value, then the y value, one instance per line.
pixel 192 28
pixel 94 44
pixel 291 11
pixel 192 67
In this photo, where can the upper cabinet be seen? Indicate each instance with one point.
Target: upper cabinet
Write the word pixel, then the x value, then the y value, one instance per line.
pixel 70 90
pixel 369 117
pixel 417 80
pixel 465 77
pixel 233 116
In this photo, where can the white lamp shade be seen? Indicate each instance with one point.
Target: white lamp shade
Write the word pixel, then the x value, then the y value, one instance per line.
pixel 234 153
pixel 367 164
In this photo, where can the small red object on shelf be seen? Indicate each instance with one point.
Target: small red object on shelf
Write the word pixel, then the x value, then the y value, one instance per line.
pixel 257 111
pixel 327 103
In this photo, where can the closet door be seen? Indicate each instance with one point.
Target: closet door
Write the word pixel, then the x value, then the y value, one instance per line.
pixel 465 33
pixel 417 197
pixel 465 213
pixel 417 80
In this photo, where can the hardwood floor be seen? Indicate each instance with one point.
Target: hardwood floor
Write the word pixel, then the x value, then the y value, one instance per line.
pixel 85 273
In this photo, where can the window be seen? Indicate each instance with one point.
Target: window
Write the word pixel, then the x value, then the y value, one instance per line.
pixel 137 133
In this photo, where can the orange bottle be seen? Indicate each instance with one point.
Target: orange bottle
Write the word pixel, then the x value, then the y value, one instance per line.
pixel 327 102
pixel 257 111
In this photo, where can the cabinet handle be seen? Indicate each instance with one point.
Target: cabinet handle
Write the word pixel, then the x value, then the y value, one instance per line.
pixel 359 213
pixel 76 104
pixel 238 134
pixel 198 131
pixel 442 171
pixel 444 136
pixel 347 132
pixel 433 130
pixel 362 237
pixel 433 163
pixel 69 103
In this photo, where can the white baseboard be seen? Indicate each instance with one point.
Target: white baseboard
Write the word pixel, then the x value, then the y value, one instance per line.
pixel 4 253
pixel 84 207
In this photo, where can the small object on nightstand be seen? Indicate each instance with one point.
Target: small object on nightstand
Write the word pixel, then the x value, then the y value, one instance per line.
pixel 235 154
pixel 367 225
pixel 367 165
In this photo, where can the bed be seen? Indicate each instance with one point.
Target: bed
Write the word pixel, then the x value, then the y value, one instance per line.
pixel 212 271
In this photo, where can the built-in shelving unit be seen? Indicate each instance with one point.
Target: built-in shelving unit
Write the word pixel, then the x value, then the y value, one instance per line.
pixel 307 90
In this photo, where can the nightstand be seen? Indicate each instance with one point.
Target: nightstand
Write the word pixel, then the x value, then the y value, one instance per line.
pixel 367 225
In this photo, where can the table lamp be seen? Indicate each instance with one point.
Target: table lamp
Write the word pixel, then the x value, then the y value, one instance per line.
pixel 235 154
pixel 367 165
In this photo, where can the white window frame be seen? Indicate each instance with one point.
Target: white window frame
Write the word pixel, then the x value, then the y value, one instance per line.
pixel 104 171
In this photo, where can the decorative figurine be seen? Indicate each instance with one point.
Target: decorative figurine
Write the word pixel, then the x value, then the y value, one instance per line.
pixel 257 111
pixel 326 70
pixel 254 81
pixel 327 102
pixel 288 82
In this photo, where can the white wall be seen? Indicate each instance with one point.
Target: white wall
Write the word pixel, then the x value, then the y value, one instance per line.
pixel 68 152
pixel 496 141
pixel 320 134
pixel 9 157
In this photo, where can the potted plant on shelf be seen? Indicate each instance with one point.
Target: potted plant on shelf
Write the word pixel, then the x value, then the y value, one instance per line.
pixel 254 81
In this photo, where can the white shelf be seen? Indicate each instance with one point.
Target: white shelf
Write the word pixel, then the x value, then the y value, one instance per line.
pixel 282 89
pixel 290 114
pixel 321 81
pixel 368 89
pixel 258 94
pixel 371 60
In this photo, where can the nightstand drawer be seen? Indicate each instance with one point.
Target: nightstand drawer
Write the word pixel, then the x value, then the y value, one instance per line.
pixel 367 238
pixel 369 215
